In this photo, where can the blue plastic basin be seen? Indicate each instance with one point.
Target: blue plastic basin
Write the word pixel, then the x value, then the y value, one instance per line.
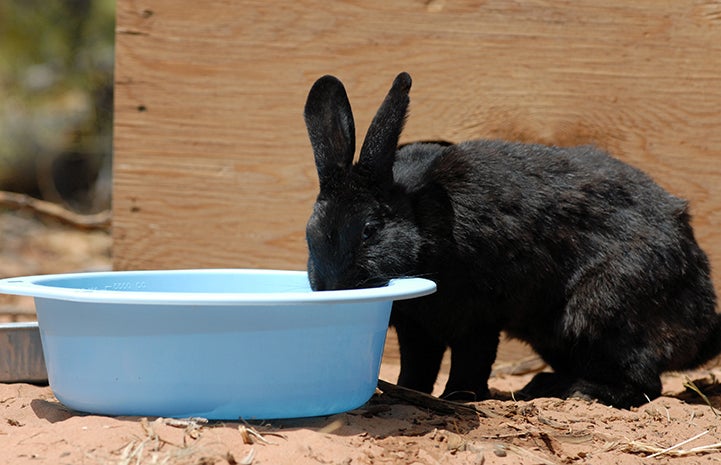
pixel 219 344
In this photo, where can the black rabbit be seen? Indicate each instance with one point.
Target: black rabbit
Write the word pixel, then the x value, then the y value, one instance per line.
pixel 578 254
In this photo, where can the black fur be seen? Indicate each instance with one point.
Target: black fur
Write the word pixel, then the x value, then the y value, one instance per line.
pixel 580 255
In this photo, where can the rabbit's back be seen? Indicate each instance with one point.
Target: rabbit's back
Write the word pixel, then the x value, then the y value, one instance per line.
pixel 568 204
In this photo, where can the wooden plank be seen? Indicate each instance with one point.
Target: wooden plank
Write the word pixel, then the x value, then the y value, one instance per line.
pixel 212 163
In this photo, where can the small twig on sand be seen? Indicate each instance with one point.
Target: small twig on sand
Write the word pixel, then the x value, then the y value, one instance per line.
pixel 248 459
pixel 678 446
pixel 675 450
pixel 250 435
pixel 192 425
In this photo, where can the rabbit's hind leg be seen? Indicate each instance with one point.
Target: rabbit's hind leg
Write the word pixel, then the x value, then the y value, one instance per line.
pixel 621 393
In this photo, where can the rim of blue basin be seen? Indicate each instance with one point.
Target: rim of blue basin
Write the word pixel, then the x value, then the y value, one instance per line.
pixel 127 287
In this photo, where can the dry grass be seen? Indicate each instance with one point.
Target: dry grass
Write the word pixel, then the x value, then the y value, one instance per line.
pixel 151 449
pixel 637 447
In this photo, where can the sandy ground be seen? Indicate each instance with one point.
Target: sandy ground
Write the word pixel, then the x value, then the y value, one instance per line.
pixel 36 429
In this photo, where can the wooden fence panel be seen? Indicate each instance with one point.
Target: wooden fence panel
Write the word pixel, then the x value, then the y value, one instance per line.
pixel 212 164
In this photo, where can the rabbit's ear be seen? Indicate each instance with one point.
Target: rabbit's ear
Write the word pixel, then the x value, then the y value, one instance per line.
pixel 379 147
pixel 329 120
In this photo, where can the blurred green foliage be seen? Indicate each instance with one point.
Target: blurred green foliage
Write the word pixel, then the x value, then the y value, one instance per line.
pixel 56 94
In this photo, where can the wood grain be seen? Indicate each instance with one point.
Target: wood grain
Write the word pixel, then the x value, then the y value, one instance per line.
pixel 212 163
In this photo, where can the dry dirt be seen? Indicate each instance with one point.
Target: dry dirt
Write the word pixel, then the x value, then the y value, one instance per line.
pixel 36 429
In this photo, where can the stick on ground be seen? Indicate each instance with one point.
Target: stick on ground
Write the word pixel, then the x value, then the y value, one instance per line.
pixel 25 202
pixel 420 399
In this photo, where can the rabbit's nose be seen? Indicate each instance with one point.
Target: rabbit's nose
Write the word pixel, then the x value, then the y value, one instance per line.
pixel 317 284
pixel 329 285
pixel 321 282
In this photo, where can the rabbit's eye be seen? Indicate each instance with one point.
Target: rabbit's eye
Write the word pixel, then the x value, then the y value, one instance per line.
pixel 370 229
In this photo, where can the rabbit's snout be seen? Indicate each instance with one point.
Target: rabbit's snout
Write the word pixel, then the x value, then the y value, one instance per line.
pixel 323 276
